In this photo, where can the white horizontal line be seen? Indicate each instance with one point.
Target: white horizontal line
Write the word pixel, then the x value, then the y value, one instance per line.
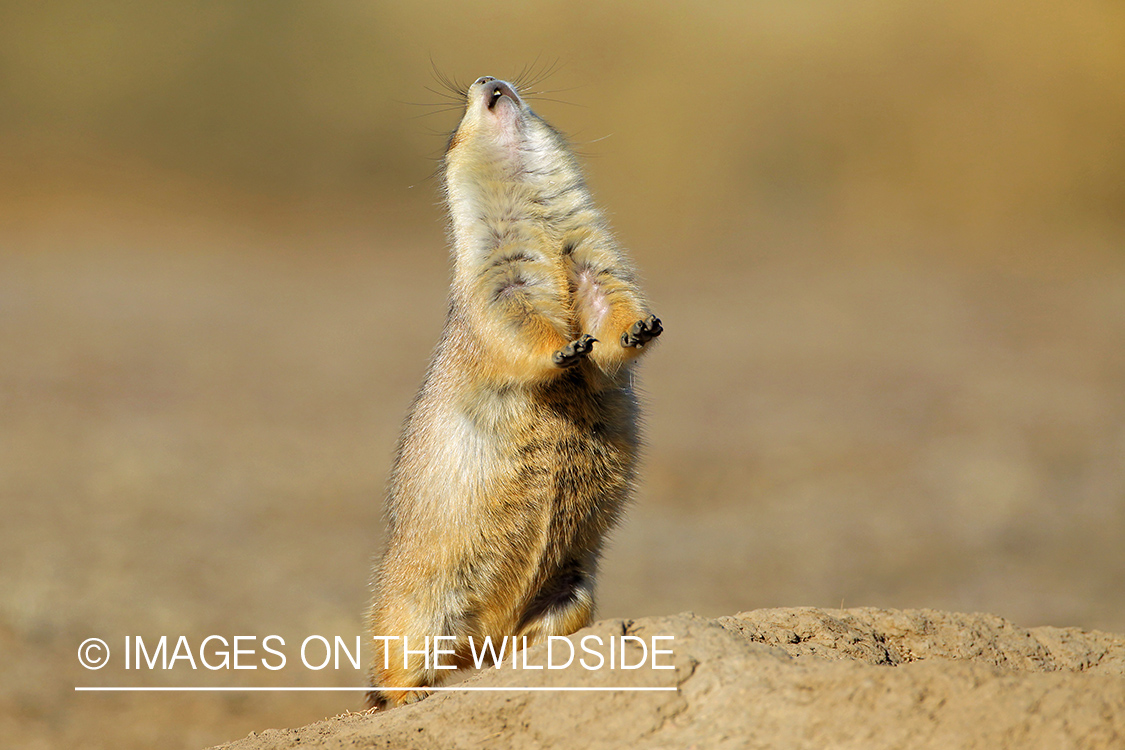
pixel 356 689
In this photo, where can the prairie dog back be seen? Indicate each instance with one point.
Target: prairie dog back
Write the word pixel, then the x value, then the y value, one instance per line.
pixel 519 451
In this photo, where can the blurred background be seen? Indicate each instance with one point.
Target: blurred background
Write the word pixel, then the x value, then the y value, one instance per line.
pixel 887 240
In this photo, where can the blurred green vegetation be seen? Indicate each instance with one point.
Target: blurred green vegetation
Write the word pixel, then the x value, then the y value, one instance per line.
pixel 692 115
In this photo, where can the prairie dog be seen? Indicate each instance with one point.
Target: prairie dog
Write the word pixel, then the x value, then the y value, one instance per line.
pixel 519 451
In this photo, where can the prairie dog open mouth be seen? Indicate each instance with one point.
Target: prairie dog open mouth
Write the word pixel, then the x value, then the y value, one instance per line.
pixel 495 90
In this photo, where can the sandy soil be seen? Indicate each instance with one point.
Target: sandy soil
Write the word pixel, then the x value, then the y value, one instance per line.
pixel 198 417
pixel 792 678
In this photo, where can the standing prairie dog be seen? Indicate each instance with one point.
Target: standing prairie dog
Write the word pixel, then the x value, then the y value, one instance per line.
pixel 519 451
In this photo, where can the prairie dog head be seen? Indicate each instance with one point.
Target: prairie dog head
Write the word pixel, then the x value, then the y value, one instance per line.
pixel 500 144
pixel 496 126
pixel 494 119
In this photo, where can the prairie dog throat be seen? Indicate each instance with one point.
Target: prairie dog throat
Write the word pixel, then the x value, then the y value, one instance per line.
pixel 519 451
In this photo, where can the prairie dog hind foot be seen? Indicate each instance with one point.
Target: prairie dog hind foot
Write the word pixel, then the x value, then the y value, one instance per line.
pixel 377 700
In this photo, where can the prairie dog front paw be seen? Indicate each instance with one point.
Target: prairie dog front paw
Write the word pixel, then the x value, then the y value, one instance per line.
pixel 642 332
pixel 575 351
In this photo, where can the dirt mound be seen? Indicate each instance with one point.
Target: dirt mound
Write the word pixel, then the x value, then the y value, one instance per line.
pixel 793 678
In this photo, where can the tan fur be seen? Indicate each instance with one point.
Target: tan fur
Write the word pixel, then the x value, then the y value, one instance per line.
pixel 519 451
